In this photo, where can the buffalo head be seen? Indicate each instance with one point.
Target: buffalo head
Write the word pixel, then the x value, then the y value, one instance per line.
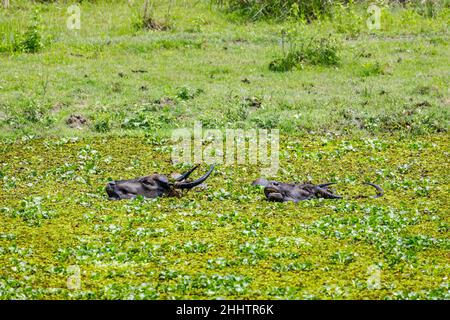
pixel 282 192
pixel 153 186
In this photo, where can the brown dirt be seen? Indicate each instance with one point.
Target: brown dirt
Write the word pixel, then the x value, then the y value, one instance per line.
pixel 76 121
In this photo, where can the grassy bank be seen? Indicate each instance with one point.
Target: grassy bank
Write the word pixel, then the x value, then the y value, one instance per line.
pixel 211 68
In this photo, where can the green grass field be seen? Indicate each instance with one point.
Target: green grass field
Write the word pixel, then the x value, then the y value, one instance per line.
pixel 380 114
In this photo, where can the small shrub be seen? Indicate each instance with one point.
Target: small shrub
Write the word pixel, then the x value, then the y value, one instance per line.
pixel 139 121
pixel 371 69
pixel 236 113
pixel 266 121
pixel 102 125
pixel 147 120
pixel 31 41
pixel 286 63
pixel 315 51
pixel 186 93
pixel 33 113
pixel 346 20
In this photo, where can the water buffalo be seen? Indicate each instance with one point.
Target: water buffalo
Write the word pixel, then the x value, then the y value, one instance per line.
pixel 282 192
pixel 153 186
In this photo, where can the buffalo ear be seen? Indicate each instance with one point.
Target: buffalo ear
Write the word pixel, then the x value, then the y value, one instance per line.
pixel 162 179
pixel 260 182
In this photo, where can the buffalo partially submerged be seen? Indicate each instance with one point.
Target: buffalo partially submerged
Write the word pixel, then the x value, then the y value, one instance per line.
pixel 282 192
pixel 153 186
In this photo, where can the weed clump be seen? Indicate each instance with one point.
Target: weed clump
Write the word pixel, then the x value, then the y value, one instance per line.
pixel 278 9
pixel 31 40
pixel 148 21
pixel 186 93
pixel 371 69
pixel 317 50
pixel 102 125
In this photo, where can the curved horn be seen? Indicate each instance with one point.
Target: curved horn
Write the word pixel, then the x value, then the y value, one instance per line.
pixel 380 191
pixel 187 174
pixel 190 185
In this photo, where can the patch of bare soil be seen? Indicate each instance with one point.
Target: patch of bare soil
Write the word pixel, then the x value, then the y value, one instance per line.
pixel 76 121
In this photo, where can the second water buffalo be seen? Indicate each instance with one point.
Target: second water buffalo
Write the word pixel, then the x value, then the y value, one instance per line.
pixel 283 192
